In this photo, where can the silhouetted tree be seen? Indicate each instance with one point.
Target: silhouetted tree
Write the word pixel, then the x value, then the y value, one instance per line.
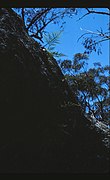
pixel 90 86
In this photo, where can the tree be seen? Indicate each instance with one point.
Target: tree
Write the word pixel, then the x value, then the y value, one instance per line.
pixel 92 40
pixel 90 86
pixel 36 20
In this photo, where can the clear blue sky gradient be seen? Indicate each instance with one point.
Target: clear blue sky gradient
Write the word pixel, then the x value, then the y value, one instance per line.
pixel 72 31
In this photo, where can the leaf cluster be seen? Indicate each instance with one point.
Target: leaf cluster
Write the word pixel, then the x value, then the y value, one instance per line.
pixel 51 40
pixel 90 86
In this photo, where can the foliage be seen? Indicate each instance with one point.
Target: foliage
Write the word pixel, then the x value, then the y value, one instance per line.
pixel 51 40
pixel 90 86
pixel 36 20
pixel 91 40
pixel 74 66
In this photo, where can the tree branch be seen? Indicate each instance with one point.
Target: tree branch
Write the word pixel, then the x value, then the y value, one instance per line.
pixel 102 35
pixel 93 12
pixel 83 16
pixel 97 12
pixel 37 16
pixel 45 24
pixel 37 37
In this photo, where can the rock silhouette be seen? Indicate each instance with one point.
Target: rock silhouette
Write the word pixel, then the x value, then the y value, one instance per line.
pixel 42 128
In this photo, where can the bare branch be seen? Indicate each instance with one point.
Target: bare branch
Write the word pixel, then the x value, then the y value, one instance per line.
pixel 83 16
pixel 93 12
pixel 37 16
pixel 45 24
pixel 40 30
pixel 100 34
pixel 101 41
pixel 97 12
pixel 36 36
pixel 82 36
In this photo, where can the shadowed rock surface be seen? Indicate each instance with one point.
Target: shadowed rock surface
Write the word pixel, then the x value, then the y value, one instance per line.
pixel 42 128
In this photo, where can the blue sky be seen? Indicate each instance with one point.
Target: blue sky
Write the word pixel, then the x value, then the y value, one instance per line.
pixel 72 31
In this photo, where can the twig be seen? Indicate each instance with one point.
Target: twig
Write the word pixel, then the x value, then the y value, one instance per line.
pixel 93 12
pixel 83 16
pixel 97 12
pixel 37 16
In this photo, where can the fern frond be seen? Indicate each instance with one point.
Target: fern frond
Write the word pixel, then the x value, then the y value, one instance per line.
pixel 57 54
pixel 52 39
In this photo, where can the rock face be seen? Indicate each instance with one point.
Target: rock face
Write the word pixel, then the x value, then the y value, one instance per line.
pixel 42 128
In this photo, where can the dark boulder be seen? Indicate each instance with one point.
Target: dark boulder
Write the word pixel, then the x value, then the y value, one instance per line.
pixel 42 128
